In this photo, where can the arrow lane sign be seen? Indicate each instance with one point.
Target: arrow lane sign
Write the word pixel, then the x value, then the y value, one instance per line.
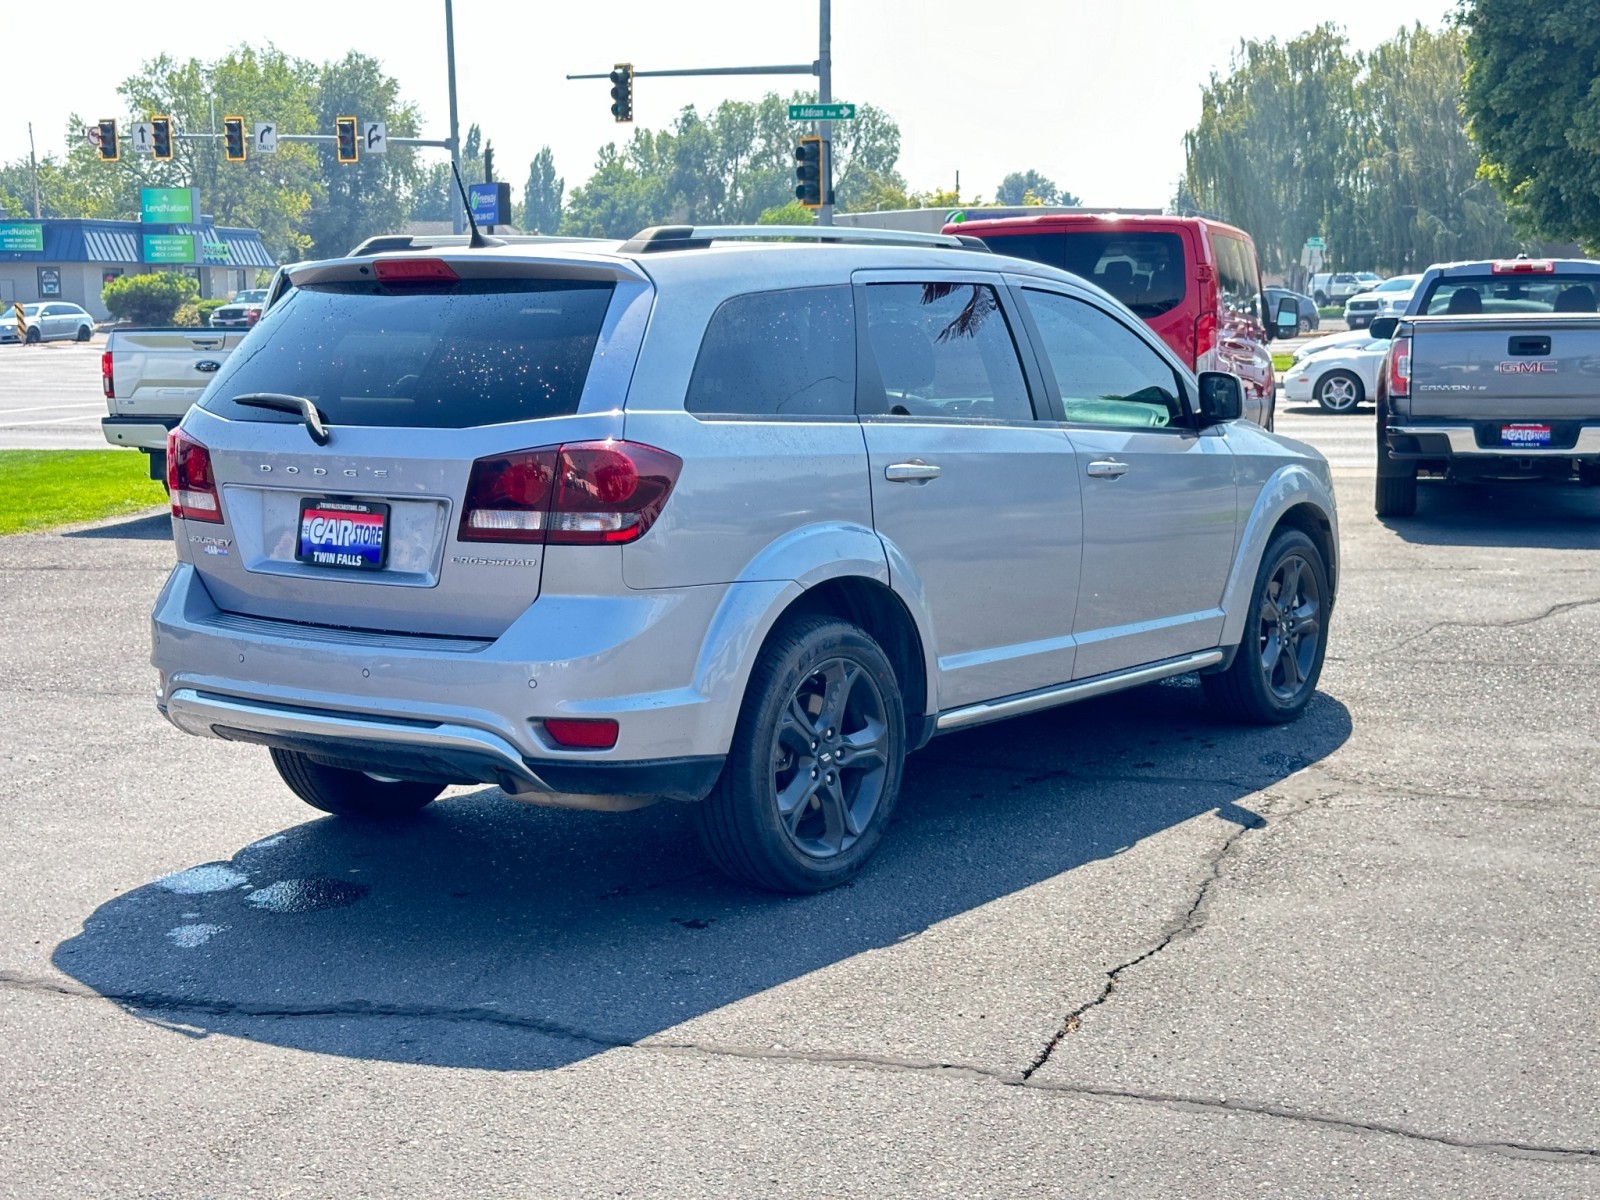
pixel 376 136
pixel 266 137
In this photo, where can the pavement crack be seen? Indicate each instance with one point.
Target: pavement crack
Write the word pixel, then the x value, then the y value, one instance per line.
pixel 1554 610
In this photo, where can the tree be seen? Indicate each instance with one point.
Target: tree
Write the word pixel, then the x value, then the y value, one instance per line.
pixel 1534 107
pixel 436 197
pixel 792 213
pixel 541 198
pixel 373 195
pixel 1015 187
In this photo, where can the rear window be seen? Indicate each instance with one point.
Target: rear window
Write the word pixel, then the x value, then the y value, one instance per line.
pixel 477 352
pixel 1143 270
pixel 1507 295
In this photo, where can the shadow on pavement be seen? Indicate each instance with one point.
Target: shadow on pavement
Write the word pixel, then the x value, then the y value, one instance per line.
pixel 1364 409
pixel 157 527
pixel 504 936
pixel 1532 513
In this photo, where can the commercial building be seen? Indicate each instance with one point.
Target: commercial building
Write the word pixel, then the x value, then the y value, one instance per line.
pixel 72 259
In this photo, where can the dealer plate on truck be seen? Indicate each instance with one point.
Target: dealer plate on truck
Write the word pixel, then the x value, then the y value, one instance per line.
pixel 1525 435
pixel 343 533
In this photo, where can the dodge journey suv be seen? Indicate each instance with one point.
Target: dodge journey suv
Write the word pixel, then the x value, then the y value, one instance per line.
pixel 715 518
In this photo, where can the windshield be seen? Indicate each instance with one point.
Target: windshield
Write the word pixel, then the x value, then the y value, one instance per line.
pixel 1400 283
pixel 1510 294
pixel 475 352
pixel 1143 270
pixel 250 297
pixel 31 310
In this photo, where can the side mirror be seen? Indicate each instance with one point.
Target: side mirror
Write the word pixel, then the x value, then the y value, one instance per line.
pixel 1382 329
pixel 1288 323
pixel 1221 398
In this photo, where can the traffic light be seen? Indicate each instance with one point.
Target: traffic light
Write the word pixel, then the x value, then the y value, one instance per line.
pixel 233 139
pixel 161 137
pixel 622 92
pixel 810 172
pixel 109 150
pixel 345 147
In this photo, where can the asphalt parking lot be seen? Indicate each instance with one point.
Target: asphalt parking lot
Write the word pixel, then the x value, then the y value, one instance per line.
pixel 1120 949
pixel 50 397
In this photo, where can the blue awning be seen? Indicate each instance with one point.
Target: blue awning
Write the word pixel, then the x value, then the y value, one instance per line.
pixel 73 240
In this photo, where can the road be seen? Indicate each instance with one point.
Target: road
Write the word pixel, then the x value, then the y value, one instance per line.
pixel 1121 949
pixel 50 397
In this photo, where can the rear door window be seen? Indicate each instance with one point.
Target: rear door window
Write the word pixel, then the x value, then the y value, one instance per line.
pixel 1145 271
pixel 943 349
pixel 475 352
pixel 782 354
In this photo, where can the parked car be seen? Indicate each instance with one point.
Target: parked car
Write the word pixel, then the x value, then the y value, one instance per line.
pixel 1331 288
pixel 1387 299
pixel 1196 282
pixel 1310 318
pixel 1338 378
pixel 1351 337
pixel 243 311
pixel 718 519
pixel 47 321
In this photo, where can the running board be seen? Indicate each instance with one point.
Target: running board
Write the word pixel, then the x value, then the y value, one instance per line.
pixel 995 710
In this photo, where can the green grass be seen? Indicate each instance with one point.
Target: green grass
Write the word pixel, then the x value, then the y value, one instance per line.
pixel 1282 362
pixel 1331 310
pixel 40 489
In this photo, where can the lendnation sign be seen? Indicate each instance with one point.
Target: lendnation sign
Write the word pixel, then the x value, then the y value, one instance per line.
pixel 168 248
pixel 168 206
pixel 22 237
pixel 822 112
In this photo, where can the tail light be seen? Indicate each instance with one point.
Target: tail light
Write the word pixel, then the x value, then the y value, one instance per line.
pixel 587 733
pixel 191 485
pixel 1400 368
pixel 252 315
pixel 106 384
pixel 1205 335
pixel 579 494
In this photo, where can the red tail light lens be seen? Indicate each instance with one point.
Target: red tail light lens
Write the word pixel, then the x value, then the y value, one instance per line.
pixel 1400 367
pixel 106 384
pixel 189 480
pixel 580 494
pixel 584 734
pixel 1205 334
pixel 414 270
pixel 508 497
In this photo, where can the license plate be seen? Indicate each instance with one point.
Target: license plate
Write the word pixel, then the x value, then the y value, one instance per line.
pixel 343 533
pixel 1525 435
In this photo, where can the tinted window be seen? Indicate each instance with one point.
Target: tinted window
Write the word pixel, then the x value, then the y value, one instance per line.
pixel 944 350
pixel 1236 276
pixel 1143 270
pixel 1107 374
pixel 478 352
pixel 1509 294
pixel 786 353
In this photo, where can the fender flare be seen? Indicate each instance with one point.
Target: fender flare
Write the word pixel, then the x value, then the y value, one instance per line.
pixel 1290 485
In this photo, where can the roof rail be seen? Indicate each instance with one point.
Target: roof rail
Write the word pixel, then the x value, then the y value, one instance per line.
pixel 695 237
pixel 383 242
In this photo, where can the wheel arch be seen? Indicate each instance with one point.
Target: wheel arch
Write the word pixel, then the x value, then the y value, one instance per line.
pixel 1294 497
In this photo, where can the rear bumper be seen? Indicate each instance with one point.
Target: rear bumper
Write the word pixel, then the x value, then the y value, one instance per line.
pixel 145 433
pixel 1428 441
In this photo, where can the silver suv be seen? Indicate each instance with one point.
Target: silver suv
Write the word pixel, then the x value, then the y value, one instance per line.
pixel 715 518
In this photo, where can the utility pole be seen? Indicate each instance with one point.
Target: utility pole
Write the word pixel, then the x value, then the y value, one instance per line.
pixel 33 170
pixel 456 222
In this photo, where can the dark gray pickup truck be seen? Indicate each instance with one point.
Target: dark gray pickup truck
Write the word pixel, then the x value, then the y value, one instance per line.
pixel 1494 372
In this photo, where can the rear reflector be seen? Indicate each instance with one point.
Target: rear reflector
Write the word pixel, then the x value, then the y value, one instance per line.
pixel 414 270
pixel 192 487
pixel 1523 266
pixel 579 494
pixel 586 734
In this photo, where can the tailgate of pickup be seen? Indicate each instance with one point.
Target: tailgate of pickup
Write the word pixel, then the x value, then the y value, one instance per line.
pixel 1537 368
pixel 161 372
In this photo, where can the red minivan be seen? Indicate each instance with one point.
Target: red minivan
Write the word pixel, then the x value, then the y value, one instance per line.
pixel 1195 282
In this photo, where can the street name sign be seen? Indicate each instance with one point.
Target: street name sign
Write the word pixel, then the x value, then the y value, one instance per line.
pixel 822 112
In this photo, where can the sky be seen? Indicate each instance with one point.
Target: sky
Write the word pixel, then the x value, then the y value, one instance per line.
pixel 1095 96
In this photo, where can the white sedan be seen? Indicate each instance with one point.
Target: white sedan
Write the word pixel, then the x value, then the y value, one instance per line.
pixel 1339 377
pixel 1330 341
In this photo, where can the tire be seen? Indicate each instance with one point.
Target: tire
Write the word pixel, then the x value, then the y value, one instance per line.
pixel 783 747
pixel 1306 325
pixel 1396 495
pixel 84 333
pixel 1321 298
pixel 1589 474
pixel 346 793
pixel 1339 392
pixel 34 337
pixel 1274 673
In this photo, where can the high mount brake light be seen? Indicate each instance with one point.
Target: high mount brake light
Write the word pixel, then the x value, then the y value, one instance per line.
pixel 1523 266
pixel 414 270
pixel 578 494
pixel 189 480
pixel 1400 368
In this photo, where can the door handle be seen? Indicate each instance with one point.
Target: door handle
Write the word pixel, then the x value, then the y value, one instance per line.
pixel 915 471
pixel 1106 468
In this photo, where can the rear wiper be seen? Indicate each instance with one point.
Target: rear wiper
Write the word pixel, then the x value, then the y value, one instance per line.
pixel 295 406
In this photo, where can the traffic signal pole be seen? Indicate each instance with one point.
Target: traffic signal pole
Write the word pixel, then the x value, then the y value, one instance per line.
pixel 454 145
